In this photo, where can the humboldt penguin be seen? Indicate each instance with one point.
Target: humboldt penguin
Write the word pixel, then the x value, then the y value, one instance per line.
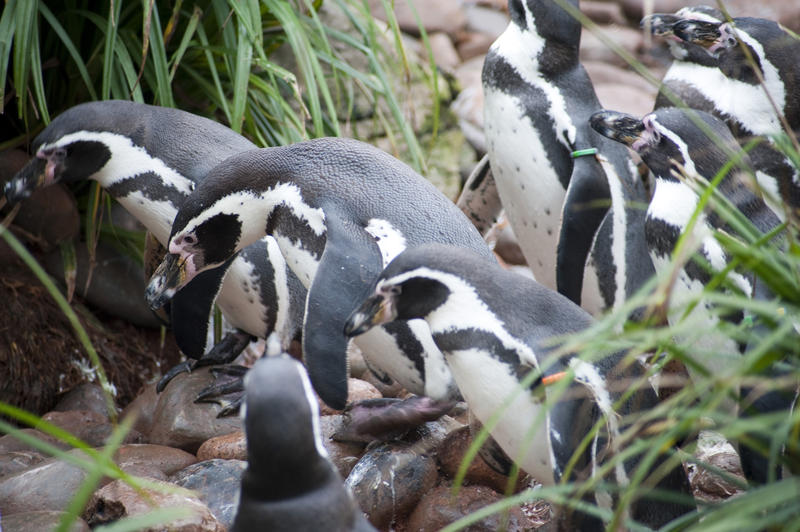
pixel 339 210
pixel 553 172
pixel 150 159
pixel 501 335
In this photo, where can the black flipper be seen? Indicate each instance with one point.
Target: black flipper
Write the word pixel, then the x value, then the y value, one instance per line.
pixel 347 271
pixel 585 205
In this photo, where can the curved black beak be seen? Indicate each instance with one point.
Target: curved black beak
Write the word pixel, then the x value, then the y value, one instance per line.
pixel 373 311
pixel 699 32
pixel 617 126
pixel 28 179
pixel 660 24
pixel 168 278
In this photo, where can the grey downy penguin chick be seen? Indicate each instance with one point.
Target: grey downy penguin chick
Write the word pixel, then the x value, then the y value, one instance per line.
pixel 496 330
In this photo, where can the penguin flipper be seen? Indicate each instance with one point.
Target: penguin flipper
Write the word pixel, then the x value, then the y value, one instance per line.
pixel 585 205
pixel 347 270
pixel 479 198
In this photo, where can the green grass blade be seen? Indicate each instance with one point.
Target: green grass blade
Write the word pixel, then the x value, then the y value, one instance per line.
pixel 8 25
pixel 191 27
pixel 108 50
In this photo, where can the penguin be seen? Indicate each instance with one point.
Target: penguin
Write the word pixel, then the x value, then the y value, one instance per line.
pixel 672 141
pixel 340 210
pixel 498 332
pixel 722 80
pixel 150 159
pixel 554 174
pixel 290 484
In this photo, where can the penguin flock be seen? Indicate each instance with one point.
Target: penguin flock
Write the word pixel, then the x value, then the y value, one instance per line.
pixel 333 241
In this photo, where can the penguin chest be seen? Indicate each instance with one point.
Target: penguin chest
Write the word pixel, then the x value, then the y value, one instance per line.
pixel 527 181
pixel 489 385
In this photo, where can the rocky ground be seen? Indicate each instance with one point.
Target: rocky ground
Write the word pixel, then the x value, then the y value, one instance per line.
pixel 401 485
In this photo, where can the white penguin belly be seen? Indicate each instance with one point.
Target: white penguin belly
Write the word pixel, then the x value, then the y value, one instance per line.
pixel 485 384
pixel 380 350
pixel 529 188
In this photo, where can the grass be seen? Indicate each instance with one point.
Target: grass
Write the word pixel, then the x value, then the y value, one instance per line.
pixel 220 59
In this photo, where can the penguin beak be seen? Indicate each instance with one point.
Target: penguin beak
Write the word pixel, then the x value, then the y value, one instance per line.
pixel 660 24
pixel 621 127
pixel 168 278
pixel 374 311
pixel 705 34
pixel 22 185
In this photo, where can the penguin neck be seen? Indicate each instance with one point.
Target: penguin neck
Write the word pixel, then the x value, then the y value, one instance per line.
pixel 143 184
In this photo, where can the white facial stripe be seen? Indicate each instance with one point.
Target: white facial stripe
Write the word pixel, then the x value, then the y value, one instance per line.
pixel 253 209
pixel 314 406
pixel 690 13
pixel 464 309
pixel 127 160
pixel 390 240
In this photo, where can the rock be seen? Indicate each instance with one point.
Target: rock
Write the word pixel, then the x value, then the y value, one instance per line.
pixel 155 461
pixel 16 461
pixel 357 390
pixel 468 105
pixel 38 521
pixel 11 162
pixel 507 246
pixel 473 44
pixel 389 480
pixel 49 485
pixel 486 20
pixel 344 455
pixel 442 16
pixel 116 283
pixel 355 361
pixel 231 446
pixel 50 215
pixel 143 407
pixel 86 396
pixel 386 390
pixel 444 52
pixel 438 509
pixel 180 422
pixel 634 9
pixel 89 426
pixel 217 483
pixel 593 49
pixel 9 443
pixel 451 453
pixel 117 500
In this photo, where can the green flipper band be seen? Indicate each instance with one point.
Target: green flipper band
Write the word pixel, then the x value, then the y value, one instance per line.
pixel 581 153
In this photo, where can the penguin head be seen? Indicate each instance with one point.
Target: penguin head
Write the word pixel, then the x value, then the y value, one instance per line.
pixel 58 159
pixel 415 284
pixel 663 25
pixel 672 141
pixel 547 19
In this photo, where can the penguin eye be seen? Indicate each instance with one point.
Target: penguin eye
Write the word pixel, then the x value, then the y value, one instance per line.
pixel 189 239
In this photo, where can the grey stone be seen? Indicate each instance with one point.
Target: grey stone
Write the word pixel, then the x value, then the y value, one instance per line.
pixel 217 483
pixel 86 396
pixel 38 521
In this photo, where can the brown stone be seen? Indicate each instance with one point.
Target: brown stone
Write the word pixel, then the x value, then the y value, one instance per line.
pixel 86 396
pixel 594 49
pixel 86 425
pixel 117 500
pixel 50 215
pixel 10 443
pixel 473 44
pixel 344 455
pixel 443 15
pixel 603 12
pixel 439 508
pixel 443 50
pixel 231 446
pixel 143 407
pixel 38 521
pixel 17 461
pixel 357 390
pixel 167 460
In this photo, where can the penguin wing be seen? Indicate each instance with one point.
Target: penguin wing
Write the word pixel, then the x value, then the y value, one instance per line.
pixel 347 270
pixel 479 198
pixel 191 309
pixel 586 204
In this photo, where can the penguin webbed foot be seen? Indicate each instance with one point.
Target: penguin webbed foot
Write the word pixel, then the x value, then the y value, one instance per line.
pixel 224 352
pixel 227 389
pixel 388 418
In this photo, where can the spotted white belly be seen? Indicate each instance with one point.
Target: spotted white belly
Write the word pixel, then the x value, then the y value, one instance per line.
pixel 527 183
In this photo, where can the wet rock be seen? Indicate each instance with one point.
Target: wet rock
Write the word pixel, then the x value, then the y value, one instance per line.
pixel 344 455
pixel 180 422
pixel 116 283
pixel 16 461
pixel 438 508
pixel 86 396
pixel 357 390
pixel 231 446
pixel 49 485
pixel 38 521
pixel 451 453
pixel 50 215
pixel 217 483
pixel 444 52
pixel 155 461
pixel 443 16
pixel 389 481
pixel 117 500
